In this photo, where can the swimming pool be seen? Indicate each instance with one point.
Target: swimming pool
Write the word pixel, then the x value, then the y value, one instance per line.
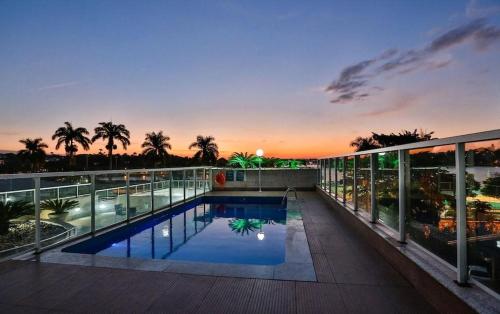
pixel 235 230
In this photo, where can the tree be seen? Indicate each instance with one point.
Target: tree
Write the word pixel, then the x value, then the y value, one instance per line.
pixel 491 186
pixel 386 140
pixel 364 143
pixel 208 151
pixel 111 132
pixel 59 207
pixel 10 210
pixel 403 137
pixel 156 145
pixel 70 137
pixel 34 152
pixel 244 160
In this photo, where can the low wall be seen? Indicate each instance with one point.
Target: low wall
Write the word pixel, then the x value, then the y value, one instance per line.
pixel 271 179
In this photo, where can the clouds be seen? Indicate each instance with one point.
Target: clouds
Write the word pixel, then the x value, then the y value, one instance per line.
pixel 354 81
pixel 58 85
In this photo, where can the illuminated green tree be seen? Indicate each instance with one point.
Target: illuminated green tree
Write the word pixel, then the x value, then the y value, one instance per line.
pixel 243 160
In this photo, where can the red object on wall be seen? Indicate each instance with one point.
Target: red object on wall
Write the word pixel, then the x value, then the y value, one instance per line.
pixel 220 178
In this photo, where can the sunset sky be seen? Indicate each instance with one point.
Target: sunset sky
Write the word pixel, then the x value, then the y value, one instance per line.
pixel 296 78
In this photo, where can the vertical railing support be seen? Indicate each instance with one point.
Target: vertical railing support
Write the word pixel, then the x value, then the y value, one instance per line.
pixel 127 194
pixel 373 195
pixel 195 171
pixel 204 180
pixel 461 211
pixel 38 232
pixel 92 203
pixel 335 162
pixel 171 183
pixel 344 185
pixel 355 183
pixel 402 164
pixel 329 176
pixel 184 184
pixel 152 179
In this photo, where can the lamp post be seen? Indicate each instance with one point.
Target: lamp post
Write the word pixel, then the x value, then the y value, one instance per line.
pixel 260 153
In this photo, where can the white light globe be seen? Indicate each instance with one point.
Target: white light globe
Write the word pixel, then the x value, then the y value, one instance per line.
pixel 259 152
pixel 260 236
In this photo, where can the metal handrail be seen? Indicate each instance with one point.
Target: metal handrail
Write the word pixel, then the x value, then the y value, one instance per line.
pixel 93 172
pixel 467 138
pixel 289 189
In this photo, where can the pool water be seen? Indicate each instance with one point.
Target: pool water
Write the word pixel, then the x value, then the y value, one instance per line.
pixel 247 230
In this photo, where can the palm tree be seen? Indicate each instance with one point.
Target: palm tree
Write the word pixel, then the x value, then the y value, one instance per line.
pixel 34 151
pixel 59 206
pixel 364 143
pixel 70 137
pixel 208 151
pixel 156 145
pixel 244 160
pixel 111 132
pixel 13 209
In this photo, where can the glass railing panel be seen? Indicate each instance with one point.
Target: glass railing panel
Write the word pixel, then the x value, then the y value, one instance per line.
pixel 162 189
pixel 482 161
pixel 387 188
pixel 64 208
pixel 349 181
pixel 363 183
pixel 139 193
pixel 110 199
pixel 431 216
pixel 177 186
pixel 340 179
pixel 200 181
pixel 332 181
pixel 190 184
pixel 17 217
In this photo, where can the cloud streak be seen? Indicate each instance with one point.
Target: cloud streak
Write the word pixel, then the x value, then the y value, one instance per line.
pixel 58 85
pixel 354 80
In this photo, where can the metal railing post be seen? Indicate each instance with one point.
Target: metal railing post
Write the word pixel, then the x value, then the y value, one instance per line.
pixel 184 183
pixel 355 183
pixel 344 170
pixel 92 203
pixel 152 178
pixel 373 195
pixel 195 182
pixel 329 176
pixel 127 194
pixel 461 211
pixel 38 232
pixel 335 161
pixel 171 173
pixel 402 164
pixel 204 180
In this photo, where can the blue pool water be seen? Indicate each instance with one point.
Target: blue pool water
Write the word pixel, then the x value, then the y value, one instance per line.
pixel 247 230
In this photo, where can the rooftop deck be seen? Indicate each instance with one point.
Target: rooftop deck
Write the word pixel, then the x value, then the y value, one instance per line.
pixel 350 277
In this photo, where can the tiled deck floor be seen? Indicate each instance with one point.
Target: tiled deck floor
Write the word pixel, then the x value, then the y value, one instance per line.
pixel 352 277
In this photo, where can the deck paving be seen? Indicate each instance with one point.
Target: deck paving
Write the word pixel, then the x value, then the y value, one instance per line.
pixel 351 278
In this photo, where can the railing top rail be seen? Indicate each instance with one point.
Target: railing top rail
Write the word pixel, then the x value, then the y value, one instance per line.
pixel 94 172
pixel 467 138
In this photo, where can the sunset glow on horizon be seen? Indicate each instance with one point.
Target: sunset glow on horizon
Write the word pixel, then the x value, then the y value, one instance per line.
pixel 297 79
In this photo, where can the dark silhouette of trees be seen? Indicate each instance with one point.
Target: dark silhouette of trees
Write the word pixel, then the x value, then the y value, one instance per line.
pixel 111 132
pixel 378 140
pixel 156 145
pixel 34 152
pixel 208 151
pixel 70 137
